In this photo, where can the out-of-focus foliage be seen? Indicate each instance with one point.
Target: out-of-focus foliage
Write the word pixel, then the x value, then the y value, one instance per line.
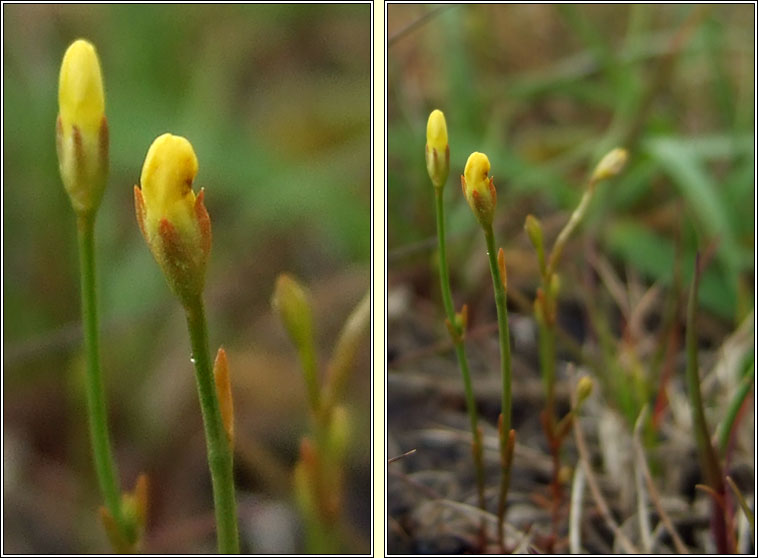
pixel 276 101
pixel 545 90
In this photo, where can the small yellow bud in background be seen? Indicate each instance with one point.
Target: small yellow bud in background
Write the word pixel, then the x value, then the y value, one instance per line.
pixel 290 301
pixel 82 129
pixel 173 220
pixel 583 390
pixel 128 540
pixel 437 149
pixel 479 188
pixel 610 165
pixel 565 474
pixel 534 231
pixel 461 319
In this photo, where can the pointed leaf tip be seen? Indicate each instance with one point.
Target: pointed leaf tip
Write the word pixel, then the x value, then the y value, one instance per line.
pixel 224 393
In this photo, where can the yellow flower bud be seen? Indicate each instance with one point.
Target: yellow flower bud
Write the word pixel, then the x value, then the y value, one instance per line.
pixel 584 388
pixel 82 129
pixel 173 220
pixel 437 149
pixel 290 301
pixel 610 165
pixel 167 175
pixel 583 391
pixel 479 188
pixel 534 231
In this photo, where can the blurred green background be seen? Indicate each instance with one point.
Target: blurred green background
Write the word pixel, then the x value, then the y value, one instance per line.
pixel 276 102
pixel 545 91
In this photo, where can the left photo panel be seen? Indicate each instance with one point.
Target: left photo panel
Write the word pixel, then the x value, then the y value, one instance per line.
pixel 187 242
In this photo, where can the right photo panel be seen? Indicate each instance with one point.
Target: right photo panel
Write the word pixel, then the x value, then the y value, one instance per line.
pixel 570 240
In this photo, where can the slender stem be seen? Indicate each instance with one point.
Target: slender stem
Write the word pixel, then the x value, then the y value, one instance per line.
pixel 573 222
pixel 447 297
pixel 708 458
pixel 219 451
pixel 308 362
pixel 743 389
pixel 505 372
pixel 707 453
pixel 547 334
pixel 105 465
pixel 547 364
pixel 502 322
pixel 460 351
pixel 547 331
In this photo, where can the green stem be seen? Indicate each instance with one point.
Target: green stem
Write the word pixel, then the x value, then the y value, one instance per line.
pixel 707 453
pixel 547 365
pixel 725 432
pixel 219 451
pixel 708 459
pixel 460 351
pixel 568 229
pixel 505 372
pixel 502 322
pixel 98 417
pixel 320 538
pixel 308 362
pixel 447 297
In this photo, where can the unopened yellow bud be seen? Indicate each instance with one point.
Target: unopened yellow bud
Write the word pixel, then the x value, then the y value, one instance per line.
pixel 290 301
pixel 82 129
pixel 565 474
pixel 167 175
pixel 583 390
pixel 127 537
pixel 80 88
pixel 610 165
pixel 534 231
pixel 173 220
pixel 461 319
pixel 479 188
pixel 437 149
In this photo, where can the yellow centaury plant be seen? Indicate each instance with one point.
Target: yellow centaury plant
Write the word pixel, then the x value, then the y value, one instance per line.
pixel 82 129
pixel 479 190
pixel 177 228
pixel 82 144
pixel 172 219
pixel 437 153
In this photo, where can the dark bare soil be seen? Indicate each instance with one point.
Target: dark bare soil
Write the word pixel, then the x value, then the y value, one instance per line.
pixel 431 493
